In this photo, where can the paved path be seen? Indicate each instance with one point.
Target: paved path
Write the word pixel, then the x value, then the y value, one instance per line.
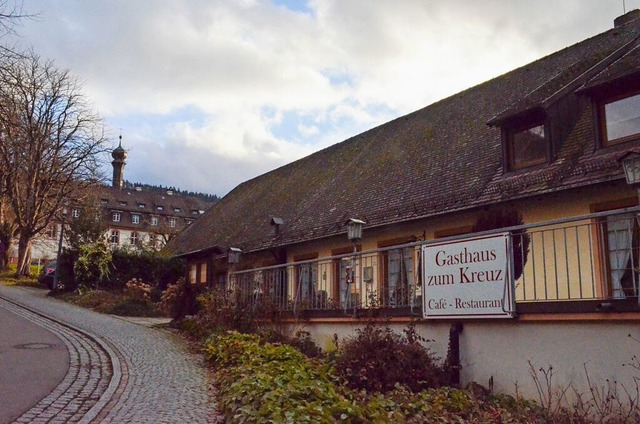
pixel 152 378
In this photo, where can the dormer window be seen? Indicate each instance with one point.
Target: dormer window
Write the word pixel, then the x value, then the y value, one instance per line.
pixel 526 146
pixel 620 119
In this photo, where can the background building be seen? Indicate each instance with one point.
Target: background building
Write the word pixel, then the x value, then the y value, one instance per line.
pixel 135 216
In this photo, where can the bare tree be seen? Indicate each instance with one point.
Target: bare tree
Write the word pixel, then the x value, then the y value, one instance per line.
pixel 50 142
pixel 11 13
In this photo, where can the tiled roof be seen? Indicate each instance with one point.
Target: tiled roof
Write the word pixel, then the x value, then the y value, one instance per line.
pixel 147 203
pixel 439 159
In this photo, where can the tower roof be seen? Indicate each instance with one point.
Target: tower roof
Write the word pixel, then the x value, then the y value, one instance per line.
pixel 119 152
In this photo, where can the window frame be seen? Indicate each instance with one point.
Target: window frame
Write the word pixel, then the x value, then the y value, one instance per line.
pixel 114 238
pixel 602 119
pixel 509 139
pixel 135 218
pixel 116 216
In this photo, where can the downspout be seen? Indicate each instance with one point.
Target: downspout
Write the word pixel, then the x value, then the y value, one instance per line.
pixel 453 359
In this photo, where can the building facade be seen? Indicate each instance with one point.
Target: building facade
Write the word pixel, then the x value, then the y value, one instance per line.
pixel 533 157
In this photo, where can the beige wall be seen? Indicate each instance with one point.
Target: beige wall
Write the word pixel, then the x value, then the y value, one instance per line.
pixel 554 270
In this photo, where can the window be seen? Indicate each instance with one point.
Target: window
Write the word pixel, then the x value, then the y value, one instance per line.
pixel 115 216
pixel 141 205
pixel 202 276
pixel 188 221
pixel 620 119
pixel 176 209
pixel 115 237
pixel 135 219
pixel 123 203
pixel 104 201
pixel 133 238
pixel 398 282
pixel 193 273
pixel 75 213
pixel 527 146
pixel 172 222
pixel 160 208
pixel 154 221
pixel 622 238
pixel 307 282
pixel 52 231
pixel 153 240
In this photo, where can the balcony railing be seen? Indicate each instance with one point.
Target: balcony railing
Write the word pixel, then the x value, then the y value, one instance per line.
pixel 589 257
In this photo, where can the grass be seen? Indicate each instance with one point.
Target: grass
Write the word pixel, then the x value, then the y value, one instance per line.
pixel 8 277
pixel 110 302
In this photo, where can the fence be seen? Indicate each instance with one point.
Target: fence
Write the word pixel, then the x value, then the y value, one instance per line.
pixel 590 257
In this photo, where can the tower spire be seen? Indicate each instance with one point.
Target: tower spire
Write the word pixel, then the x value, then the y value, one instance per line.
pixel 119 155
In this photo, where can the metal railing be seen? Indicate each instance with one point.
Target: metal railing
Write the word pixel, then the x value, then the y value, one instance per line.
pixel 588 257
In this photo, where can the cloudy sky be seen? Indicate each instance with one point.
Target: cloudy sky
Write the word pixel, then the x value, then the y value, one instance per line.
pixel 210 93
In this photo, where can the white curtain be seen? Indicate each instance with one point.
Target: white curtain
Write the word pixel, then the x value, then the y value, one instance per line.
pixel 619 233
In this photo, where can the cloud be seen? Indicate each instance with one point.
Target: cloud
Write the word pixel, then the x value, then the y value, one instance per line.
pixel 212 92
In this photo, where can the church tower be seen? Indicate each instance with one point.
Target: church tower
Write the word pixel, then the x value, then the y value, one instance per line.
pixel 119 155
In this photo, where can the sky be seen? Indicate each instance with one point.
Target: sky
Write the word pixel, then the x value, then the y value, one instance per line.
pixel 210 93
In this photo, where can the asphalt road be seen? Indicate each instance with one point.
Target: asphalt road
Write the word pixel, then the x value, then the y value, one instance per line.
pixel 33 361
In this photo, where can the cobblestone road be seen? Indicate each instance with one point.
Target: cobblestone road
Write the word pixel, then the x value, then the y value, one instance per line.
pixel 140 374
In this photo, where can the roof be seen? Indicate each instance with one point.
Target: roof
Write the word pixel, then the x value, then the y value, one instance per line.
pixel 443 158
pixel 132 201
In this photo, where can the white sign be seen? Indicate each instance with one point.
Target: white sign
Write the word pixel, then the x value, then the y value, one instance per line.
pixel 469 278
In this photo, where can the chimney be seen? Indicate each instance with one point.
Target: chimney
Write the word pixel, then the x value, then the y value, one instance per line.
pixel 626 18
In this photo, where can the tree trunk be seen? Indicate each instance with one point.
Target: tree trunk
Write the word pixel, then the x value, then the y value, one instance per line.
pixel 24 256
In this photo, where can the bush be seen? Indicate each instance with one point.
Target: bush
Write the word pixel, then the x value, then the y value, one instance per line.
pixel 259 383
pixel 222 311
pixel 92 265
pixel 377 359
pixel 150 266
pixel 301 340
pixel 137 290
pixel 172 300
pixel 267 383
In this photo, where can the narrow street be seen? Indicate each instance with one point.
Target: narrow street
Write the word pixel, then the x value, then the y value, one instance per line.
pixel 98 368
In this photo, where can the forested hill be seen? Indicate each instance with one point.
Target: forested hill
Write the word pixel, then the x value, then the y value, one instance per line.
pixel 211 198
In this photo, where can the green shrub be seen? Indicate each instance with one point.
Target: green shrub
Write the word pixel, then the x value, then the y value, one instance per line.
pixel 92 266
pixel 260 382
pixel 377 359
pixel 150 266
pixel 301 340
pixel 267 383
